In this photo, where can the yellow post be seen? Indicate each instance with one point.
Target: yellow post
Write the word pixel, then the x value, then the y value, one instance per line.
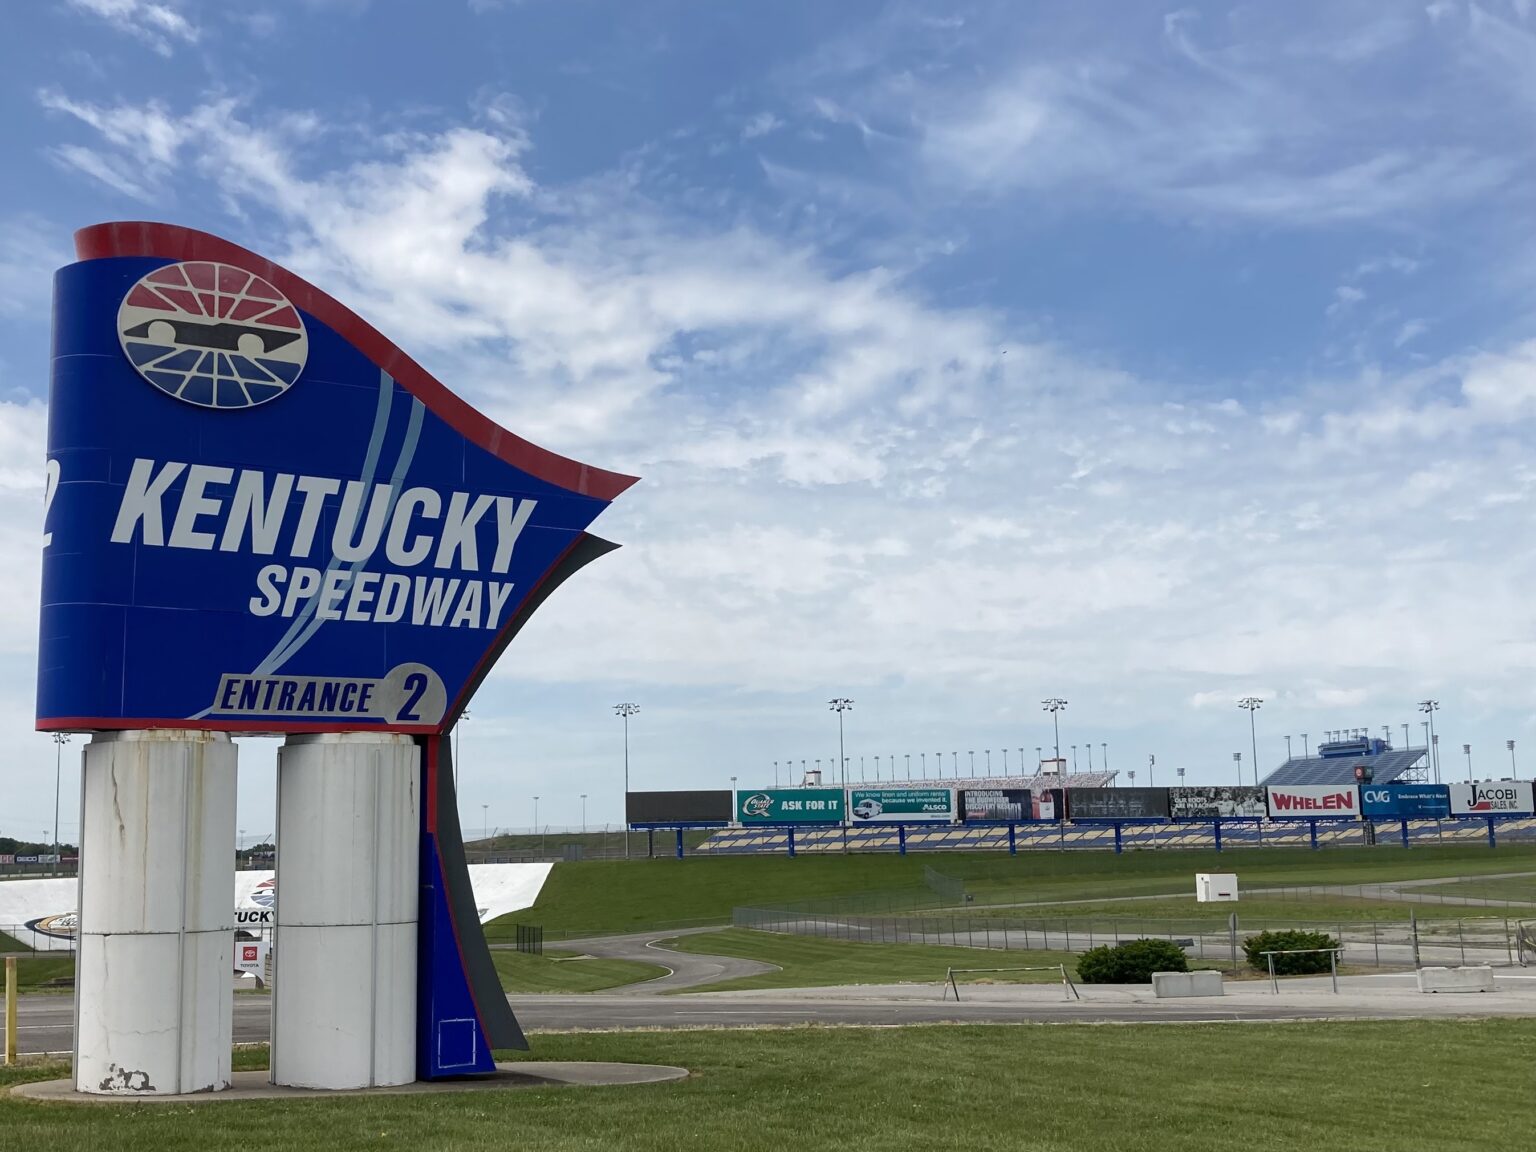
pixel 10 1010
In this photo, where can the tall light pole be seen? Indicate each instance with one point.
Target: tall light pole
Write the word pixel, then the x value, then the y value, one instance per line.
pixel 1074 758
pixel 1287 749
pixel 464 715
pixel 1237 758
pixel 841 704
pixel 584 807
pixel 1467 748
pixel 1089 746
pixel 626 711
pixel 1104 748
pixel 989 761
pixel 1405 736
pixel 908 756
pixel 775 773
pixel 1054 705
pixel 925 765
pixel 485 825
pixel 1005 762
pixel 1429 708
pixel 59 740
pixel 1151 764
pixel 1510 744
pixel 956 756
pixel 972 755
pixel 1252 704
pixel 1179 772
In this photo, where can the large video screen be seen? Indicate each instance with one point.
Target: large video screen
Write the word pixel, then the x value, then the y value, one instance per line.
pixel 694 806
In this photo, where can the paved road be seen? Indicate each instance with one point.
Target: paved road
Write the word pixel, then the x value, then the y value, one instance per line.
pixel 687 970
pixel 46 1021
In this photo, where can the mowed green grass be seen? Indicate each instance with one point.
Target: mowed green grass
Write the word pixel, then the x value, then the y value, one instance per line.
pixel 11 944
pixel 34 972
pixel 613 896
pixel 1053 1088
pixel 557 971
pixel 1519 889
pixel 808 962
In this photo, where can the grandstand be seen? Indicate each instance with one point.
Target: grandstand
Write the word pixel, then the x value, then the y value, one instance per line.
pixel 1335 763
pixel 1042 782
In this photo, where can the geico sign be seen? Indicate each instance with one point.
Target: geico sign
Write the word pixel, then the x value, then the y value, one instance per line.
pixel 1322 799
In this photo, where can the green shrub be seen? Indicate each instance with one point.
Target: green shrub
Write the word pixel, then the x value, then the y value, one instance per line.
pixel 1130 963
pixel 1305 964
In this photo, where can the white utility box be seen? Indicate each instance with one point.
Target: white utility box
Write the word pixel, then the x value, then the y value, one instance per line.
pixel 1214 887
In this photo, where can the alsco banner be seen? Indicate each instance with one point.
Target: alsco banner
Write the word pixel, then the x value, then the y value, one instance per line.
pixel 261 515
pixel 1405 801
pixel 1492 798
pixel 1308 801
pixel 790 806
pixel 902 805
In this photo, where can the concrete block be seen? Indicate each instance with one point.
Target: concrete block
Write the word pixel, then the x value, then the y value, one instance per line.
pixel 1473 979
pixel 1170 984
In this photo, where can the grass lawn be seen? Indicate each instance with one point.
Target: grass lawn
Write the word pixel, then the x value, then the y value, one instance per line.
pixel 34 971
pixel 807 962
pixel 1057 1088
pixel 11 944
pixel 612 896
pixel 1521 889
pixel 560 972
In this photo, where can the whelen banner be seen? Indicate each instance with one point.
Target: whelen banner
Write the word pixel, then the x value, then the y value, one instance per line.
pixel 1117 803
pixel 1492 798
pixel 697 806
pixel 1404 801
pixel 901 805
pixel 1216 803
pixel 790 806
pixel 1313 801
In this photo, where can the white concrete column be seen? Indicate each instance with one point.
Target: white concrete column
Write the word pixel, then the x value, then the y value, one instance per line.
pixel 348 843
pixel 154 977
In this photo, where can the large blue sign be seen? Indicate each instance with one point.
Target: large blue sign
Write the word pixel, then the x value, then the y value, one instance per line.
pixel 1405 801
pixel 244 474
pixel 263 516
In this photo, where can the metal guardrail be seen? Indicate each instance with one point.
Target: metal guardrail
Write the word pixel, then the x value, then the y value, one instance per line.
pixel 1333 963
pixel 1069 988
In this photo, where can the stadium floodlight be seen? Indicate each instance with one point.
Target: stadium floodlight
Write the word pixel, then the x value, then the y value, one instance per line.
pixel 1252 704
pixel 1053 705
pixel 59 740
pixel 1151 764
pixel 1237 758
pixel 1287 749
pixel 841 704
pixel 1306 753
pixel 1467 748
pixel 1179 772
pixel 989 761
pixel 1429 708
pixel 972 755
pixel 626 711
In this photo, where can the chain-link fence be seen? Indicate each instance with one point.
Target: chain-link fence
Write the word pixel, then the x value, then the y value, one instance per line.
pixel 1391 944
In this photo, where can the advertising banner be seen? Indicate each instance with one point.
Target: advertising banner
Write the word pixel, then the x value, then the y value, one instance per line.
pixel 251 956
pixel 261 515
pixel 1405 801
pixel 1216 803
pixel 902 805
pixel 1009 804
pixel 1311 801
pixel 1117 803
pixel 790 806
pixel 7 858
pixel 689 806
pixel 1491 798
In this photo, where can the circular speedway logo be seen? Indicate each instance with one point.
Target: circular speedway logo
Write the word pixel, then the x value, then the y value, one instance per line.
pixel 212 334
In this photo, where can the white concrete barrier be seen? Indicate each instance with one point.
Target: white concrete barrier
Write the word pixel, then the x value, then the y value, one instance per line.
pixel 1169 984
pixel 1473 979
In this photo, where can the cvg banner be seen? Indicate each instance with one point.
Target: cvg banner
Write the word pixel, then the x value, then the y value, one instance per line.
pixel 262 515
pixel 790 806
pixel 1492 798
pixel 902 805
pixel 1306 801
pixel 1405 801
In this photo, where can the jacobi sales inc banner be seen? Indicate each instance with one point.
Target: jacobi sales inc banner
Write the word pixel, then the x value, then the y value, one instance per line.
pixel 1492 798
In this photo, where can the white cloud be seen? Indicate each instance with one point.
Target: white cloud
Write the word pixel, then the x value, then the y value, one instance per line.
pixel 1345 297
pixel 161 26
pixel 761 125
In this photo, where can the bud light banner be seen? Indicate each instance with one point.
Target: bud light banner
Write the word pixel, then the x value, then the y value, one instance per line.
pixel 261 515
pixel 790 806
pixel 1405 801
pixel 1117 803
pixel 1492 798
pixel 1311 801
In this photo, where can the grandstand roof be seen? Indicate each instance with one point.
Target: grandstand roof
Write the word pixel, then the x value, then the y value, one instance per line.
pixel 1388 766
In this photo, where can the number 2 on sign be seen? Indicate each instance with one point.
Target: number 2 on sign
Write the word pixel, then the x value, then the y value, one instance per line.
pixel 50 490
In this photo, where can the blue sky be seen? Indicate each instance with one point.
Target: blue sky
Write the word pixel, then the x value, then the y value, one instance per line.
pixel 1145 355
